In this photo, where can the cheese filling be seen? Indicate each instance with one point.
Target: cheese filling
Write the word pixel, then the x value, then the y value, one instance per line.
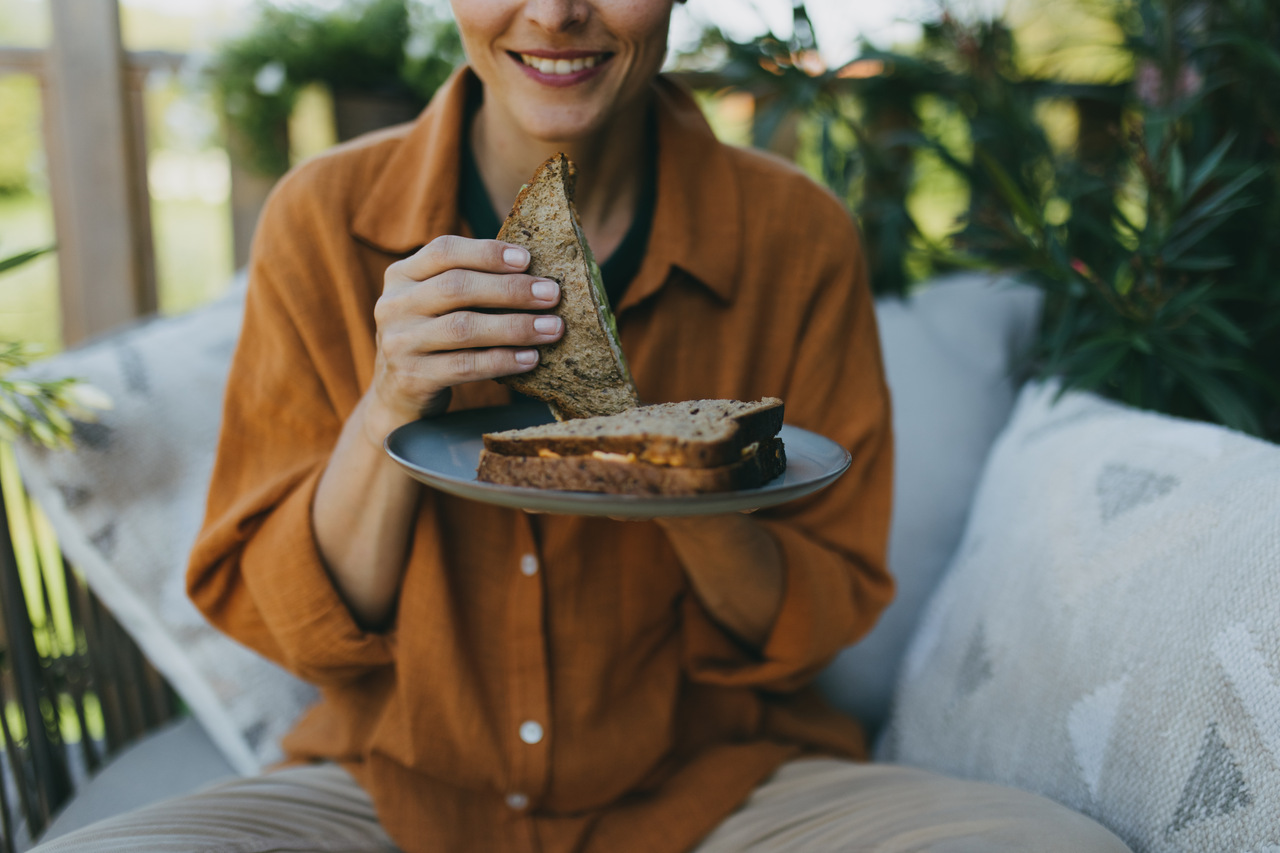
pixel 614 457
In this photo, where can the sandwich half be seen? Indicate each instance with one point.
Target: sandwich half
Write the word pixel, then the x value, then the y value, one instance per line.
pixel 686 448
pixel 584 373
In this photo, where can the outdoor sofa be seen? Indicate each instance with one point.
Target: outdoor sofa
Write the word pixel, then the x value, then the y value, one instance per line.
pixel 1089 602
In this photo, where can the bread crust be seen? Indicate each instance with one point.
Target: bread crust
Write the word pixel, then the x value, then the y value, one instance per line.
pixel 591 474
pixel 585 372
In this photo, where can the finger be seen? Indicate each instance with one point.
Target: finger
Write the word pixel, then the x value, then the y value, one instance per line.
pixel 474 365
pixel 454 252
pixel 461 330
pixel 458 288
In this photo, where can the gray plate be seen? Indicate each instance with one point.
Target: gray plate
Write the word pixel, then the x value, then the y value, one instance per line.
pixel 443 452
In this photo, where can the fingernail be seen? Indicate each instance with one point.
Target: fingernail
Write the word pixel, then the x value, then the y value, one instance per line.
pixel 516 256
pixel 547 325
pixel 545 290
pixel 527 356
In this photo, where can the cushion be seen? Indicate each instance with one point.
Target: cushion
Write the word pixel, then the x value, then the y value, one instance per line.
pixel 1107 634
pixel 170 762
pixel 128 502
pixel 951 352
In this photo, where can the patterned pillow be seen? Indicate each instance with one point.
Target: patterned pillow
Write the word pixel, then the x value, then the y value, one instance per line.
pixel 127 504
pixel 1108 634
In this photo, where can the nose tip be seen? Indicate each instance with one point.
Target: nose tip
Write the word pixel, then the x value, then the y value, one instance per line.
pixel 557 16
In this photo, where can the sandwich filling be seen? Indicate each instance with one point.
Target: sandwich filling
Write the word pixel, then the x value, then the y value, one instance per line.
pixel 686 448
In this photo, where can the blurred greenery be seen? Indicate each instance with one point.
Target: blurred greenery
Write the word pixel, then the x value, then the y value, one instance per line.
pixel 1153 240
pixel 385 47
pixel 20 144
pixel 1143 203
pixel 29 295
pixel 40 411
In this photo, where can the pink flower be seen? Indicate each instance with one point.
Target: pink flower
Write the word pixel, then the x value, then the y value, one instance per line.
pixel 1149 84
pixel 1190 82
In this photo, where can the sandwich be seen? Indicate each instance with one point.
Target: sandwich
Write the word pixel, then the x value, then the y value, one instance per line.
pixel 685 448
pixel 584 373
pixel 603 440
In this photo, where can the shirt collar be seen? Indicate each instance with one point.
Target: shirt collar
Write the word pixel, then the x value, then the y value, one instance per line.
pixel 697 223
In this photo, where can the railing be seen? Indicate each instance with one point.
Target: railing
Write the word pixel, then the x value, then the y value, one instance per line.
pixel 74 688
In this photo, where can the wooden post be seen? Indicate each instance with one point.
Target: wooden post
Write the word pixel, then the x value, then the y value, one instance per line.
pixel 101 208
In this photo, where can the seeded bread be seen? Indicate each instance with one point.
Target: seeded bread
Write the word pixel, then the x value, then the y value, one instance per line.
pixel 692 434
pixel 584 373
pixel 591 474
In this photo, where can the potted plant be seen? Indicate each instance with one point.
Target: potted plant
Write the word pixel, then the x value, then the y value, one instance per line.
pixel 380 59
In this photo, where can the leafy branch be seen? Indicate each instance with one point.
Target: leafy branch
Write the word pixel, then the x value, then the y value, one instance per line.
pixel 41 411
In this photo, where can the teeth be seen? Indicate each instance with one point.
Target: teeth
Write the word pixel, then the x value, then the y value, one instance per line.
pixel 561 66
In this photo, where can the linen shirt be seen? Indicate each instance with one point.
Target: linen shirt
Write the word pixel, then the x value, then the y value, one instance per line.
pixel 551 683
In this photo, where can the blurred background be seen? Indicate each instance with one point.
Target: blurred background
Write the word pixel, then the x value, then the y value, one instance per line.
pixel 188 170
pixel 1119 154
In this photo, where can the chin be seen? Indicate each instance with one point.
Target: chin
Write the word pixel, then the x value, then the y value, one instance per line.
pixel 551 124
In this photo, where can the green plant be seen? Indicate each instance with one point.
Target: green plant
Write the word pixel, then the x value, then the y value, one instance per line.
pixel 1159 262
pixel 386 47
pixel 41 411
pixel 1152 235
pixel 846 127
pixel 862 129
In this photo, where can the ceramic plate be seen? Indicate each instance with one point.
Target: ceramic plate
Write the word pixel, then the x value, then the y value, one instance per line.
pixel 443 452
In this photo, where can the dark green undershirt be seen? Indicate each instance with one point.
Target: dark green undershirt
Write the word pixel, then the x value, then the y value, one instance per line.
pixel 619 268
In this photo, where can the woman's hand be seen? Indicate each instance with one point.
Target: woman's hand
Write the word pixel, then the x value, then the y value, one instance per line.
pixel 431 335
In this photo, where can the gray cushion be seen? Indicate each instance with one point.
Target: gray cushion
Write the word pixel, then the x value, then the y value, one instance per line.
pixel 170 762
pixel 950 352
pixel 1107 635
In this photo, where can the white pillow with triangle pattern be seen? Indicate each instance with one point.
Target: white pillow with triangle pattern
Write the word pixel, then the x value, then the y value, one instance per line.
pixel 1108 634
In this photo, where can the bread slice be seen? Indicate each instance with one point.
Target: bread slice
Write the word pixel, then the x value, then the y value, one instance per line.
pixel 584 373
pixel 592 474
pixel 690 434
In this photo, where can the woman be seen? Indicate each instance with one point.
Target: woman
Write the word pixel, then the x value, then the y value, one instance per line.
pixel 496 681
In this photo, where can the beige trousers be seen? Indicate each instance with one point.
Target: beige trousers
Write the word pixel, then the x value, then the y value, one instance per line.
pixel 808 806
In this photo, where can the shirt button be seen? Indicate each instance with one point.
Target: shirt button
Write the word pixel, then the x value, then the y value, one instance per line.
pixel 530 732
pixel 529 565
pixel 519 802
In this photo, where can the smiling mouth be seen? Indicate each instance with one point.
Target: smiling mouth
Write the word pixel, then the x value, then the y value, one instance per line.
pixel 562 67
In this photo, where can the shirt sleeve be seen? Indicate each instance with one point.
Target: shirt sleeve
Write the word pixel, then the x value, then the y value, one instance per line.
pixel 833 543
pixel 256 571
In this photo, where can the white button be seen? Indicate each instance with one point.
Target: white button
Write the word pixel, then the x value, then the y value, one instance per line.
pixel 519 802
pixel 529 565
pixel 530 732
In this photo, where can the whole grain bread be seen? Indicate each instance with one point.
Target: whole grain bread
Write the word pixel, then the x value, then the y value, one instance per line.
pixel 591 474
pixel 689 434
pixel 584 373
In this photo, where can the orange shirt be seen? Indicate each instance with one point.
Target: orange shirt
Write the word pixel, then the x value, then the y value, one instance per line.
pixel 655 723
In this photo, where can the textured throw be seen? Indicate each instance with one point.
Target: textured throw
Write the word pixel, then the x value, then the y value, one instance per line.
pixel 1109 632
pixel 127 504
